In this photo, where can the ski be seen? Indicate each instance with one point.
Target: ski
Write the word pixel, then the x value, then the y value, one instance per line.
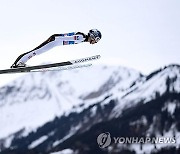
pixel 53 65
pixel 62 68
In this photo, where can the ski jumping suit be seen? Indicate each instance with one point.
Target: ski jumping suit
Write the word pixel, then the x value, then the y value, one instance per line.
pixel 52 41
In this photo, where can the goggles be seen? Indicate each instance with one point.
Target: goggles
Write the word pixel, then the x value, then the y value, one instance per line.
pixel 96 39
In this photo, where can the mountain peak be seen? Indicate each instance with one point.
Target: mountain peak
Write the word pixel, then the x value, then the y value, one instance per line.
pixel 173 68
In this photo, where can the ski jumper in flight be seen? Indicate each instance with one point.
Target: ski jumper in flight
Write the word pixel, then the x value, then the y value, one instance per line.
pixel 92 37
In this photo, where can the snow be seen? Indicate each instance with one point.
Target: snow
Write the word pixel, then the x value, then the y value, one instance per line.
pixel 71 132
pixel 93 78
pixel 65 151
pixel 28 116
pixel 35 103
pixel 170 106
pixel 93 111
pixel 8 141
pixel 37 142
pixel 157 84
pixel 146 90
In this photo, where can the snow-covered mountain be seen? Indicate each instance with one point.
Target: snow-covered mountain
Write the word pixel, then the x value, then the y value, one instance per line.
pixel 36 98
pixel 55 111
pixel 153 86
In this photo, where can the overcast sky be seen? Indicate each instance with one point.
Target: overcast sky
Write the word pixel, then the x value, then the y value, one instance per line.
pixel 141 34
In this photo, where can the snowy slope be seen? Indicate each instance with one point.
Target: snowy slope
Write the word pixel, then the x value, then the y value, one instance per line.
pixel 148 88
pixel 36 98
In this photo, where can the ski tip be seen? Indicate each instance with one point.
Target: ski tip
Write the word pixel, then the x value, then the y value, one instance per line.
pixel 82 60
pixel 98 56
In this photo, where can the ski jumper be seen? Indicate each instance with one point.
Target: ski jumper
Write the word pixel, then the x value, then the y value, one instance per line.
pixel 51 42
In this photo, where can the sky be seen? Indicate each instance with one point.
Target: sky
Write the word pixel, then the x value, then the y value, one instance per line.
pixel 140 34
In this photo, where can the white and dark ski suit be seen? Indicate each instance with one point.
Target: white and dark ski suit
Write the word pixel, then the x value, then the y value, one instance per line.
pixel 52 41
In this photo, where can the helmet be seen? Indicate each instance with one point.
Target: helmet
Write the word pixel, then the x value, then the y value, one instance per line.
pixel 95 34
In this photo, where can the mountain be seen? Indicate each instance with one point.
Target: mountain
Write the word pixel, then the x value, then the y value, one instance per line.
pixel 37 98
pixel 64 112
